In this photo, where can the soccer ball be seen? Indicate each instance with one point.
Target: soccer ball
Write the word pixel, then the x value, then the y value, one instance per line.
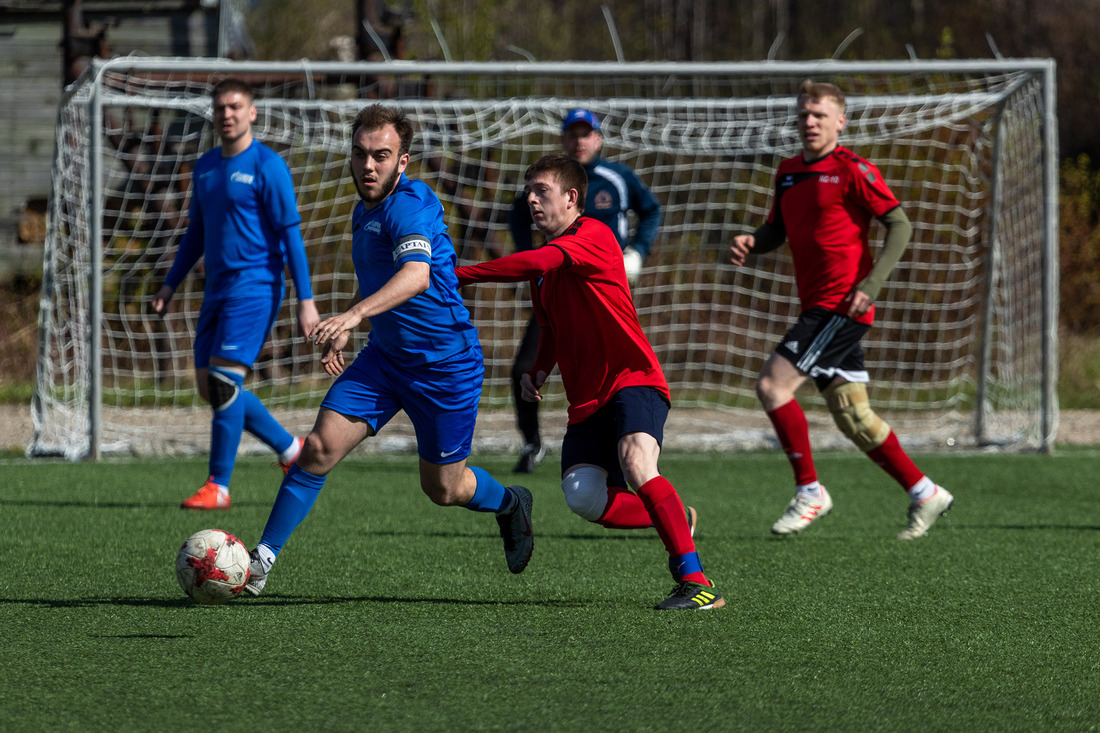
pixel 212 566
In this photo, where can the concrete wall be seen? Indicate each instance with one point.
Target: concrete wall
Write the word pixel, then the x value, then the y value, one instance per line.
pixel 31 81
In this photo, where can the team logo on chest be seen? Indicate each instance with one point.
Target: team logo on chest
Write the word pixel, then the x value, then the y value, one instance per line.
pixel 241 177
pixel 374 227
pixel 603 200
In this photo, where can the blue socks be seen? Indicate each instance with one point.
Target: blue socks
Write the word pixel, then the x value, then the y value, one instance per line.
pixel 245 412
pixel 300 489
pixel 226 429
pixel 490 495
pixel 296 496
pixel 261 423
pixel 685 564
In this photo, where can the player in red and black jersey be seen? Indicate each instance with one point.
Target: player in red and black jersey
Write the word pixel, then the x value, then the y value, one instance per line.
pixel 825 199
pixel 617 393
pixel 614 190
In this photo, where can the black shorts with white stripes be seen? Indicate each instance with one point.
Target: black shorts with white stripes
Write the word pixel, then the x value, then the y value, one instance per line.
pixel 825 345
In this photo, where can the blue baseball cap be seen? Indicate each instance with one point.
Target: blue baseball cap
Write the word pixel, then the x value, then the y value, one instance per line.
pixel 580 115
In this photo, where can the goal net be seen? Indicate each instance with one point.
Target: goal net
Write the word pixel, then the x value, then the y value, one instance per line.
pixel 963 351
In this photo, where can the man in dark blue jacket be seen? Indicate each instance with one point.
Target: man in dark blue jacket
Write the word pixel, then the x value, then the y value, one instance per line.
pixel 613 190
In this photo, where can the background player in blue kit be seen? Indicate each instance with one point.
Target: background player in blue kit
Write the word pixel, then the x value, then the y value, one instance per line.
pixel 423 355
pixel 613 191
pixel 244 221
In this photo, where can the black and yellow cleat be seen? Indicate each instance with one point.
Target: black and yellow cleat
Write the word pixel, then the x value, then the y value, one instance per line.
pixel 688 596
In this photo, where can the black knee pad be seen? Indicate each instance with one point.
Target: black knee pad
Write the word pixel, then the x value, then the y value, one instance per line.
pixel 223 390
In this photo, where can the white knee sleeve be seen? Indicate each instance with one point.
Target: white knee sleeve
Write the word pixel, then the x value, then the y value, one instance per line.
pixel 586 492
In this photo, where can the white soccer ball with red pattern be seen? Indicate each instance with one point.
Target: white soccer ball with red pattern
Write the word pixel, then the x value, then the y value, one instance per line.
pixel 212 566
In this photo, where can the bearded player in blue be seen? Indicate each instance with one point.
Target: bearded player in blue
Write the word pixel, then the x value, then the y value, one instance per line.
pixel 244 221
pixel 423 355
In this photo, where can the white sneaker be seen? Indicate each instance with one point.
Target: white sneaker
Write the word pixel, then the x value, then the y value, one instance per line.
pixel 923 514
pixel 530 458
pixel 257 576
pixel 801 511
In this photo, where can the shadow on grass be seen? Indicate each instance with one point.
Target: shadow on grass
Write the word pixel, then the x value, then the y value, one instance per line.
pixel 1032 527
pixel 92 602
pixel 281 600
pixel 276 600
pixel 173 504
pixel 88 504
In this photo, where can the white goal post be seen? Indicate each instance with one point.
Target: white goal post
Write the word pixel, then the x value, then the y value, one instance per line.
pixel 963 353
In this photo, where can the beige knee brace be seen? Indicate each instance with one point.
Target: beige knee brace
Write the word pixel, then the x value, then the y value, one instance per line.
pixel 852 413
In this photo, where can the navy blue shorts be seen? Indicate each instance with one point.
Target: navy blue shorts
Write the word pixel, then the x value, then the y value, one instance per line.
pixel 596 440
pixel 825 345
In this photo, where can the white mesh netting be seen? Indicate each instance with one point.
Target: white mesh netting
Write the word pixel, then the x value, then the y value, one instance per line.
pixel 960 324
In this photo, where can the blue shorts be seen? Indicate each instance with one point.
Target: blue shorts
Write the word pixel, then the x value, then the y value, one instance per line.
pixel 440 399
pixel 235 326
pixel 596 440
pixel 825 345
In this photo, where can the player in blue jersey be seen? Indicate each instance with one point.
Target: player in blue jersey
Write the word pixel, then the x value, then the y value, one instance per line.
pixel 244 223
pixel 614 190
pixel 423 355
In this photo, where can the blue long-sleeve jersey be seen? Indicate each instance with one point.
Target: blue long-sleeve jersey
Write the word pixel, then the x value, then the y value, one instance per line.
pixel 244 221
pixel 408 226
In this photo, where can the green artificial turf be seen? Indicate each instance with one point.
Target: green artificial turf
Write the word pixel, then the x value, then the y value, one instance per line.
pixel 386 612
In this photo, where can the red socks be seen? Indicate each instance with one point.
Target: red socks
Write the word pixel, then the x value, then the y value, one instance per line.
pixel 669 519
pixel 893 459
pixel 794 435
pixel 625 510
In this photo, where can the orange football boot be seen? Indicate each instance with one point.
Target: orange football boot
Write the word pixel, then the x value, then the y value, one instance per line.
pixel 286 466
pixel 208 497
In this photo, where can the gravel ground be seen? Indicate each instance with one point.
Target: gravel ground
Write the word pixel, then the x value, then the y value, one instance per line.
pixel 1075 427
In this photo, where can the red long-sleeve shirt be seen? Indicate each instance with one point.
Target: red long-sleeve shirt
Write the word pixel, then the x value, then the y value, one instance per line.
pixel 589 326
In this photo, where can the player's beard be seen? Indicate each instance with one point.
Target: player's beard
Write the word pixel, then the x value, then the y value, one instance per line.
pixel 384 190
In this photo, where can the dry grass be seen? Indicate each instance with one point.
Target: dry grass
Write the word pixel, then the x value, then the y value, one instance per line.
pixel 1079 371
pixel 18 331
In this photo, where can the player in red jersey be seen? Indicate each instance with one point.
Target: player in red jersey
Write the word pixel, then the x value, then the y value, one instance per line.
pixel 824 201
pixel 618 397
